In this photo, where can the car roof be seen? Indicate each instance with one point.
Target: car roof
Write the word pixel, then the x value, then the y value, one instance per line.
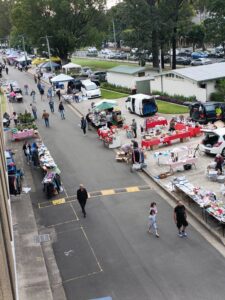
pixel 218 131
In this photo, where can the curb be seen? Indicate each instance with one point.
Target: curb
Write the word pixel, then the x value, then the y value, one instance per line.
pixel 195 216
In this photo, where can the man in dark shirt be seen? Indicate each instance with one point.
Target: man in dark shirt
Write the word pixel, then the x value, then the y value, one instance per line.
pixel 180 218
pixel 82 196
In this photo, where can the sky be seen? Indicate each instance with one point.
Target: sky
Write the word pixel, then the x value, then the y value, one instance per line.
pixel 110 3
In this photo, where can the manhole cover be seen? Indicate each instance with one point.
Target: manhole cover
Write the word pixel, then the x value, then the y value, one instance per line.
pixel 42 238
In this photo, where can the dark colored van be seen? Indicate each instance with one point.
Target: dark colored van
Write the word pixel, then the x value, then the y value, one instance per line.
pixel 207 112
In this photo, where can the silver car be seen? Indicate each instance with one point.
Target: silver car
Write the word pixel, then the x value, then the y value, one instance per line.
pixel 201 61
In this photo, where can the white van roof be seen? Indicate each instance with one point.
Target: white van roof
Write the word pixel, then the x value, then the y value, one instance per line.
pixel 141 96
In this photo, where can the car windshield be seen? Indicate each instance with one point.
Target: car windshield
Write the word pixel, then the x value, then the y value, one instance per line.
pixel 91 87
pixel 209 107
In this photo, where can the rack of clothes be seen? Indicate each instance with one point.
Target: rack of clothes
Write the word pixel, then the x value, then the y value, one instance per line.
pixel 15 175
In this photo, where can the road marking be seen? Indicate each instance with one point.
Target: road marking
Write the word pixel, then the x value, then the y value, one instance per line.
pixel 58 201
pixel 94 194
pixel 133 189
pixel 107 192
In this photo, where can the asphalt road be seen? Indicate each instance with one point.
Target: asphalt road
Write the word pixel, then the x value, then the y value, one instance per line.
pixel 110 253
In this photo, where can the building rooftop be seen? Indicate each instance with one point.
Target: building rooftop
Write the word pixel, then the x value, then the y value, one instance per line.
pixel 202 73
pixel 123 69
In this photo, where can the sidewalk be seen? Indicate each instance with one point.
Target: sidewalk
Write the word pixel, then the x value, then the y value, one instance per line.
pixel 34 281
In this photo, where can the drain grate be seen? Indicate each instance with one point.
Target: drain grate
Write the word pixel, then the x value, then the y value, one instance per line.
pixel 42 238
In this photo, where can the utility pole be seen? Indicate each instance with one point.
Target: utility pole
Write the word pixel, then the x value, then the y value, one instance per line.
pixel 48 47
pixel 24 50
pixel 114 32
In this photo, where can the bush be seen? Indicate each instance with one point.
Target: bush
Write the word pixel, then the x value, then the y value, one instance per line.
pixel 115 88
pixel 216 97
pixel 177 99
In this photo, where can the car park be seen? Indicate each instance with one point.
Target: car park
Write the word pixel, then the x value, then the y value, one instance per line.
pixel 199 54
pixel 213 141
pixel 201 61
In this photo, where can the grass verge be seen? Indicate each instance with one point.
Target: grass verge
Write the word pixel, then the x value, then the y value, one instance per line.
pixel 107 94
pixel 171 108
pixel 96 64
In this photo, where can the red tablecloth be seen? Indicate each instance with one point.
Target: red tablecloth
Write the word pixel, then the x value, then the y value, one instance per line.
pixel 165 140
pixel 103 133
pixel 150 123
pixel 193 130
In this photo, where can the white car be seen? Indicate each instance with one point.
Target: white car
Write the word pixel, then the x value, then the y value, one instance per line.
pixel 213 141
pixel 90 90
pixel 201 61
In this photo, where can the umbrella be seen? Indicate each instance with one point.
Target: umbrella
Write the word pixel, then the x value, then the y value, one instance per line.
pixel 38 61
pixel 105 104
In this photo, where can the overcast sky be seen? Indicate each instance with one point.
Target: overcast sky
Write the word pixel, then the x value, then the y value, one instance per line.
pixel 112 2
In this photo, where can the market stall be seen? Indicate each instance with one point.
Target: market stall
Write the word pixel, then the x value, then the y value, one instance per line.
pixel 14 175
pixel 152 122
pixel 109 136
pixel 51 181
pixel 194 130
pixel 26 128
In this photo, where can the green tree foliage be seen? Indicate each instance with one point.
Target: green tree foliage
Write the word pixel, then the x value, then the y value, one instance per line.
pixel 5 24
pixel 196 35
pixel 68 22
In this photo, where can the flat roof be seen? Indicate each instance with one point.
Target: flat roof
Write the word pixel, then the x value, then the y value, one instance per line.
pixel 123 69
pixel 202 73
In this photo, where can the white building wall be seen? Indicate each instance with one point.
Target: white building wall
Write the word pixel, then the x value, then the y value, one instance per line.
pixel 178 86
pixel 124 80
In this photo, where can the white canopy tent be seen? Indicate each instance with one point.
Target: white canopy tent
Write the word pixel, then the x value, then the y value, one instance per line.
pixel 61 78
pixel 71 66
pixel 23 58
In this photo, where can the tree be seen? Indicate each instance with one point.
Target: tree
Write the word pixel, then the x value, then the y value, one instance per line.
pixel 5 24
pixel 196 35
pixel 68 22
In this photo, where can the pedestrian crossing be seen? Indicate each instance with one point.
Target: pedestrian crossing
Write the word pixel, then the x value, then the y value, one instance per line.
pixel 94 194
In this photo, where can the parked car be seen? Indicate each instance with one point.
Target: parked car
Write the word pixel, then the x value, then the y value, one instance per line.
pixel 213 141
pixel 90 89
pixel 86 71
pixel 199 54
pixel 201 61
pixel 204 112
pixel 183 60
pixel 142 105
pixel 99 75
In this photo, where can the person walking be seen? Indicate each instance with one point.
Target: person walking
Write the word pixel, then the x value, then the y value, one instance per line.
pixel 45 116
pixel 82 197
pixel 62 110
pixel 7 70
pixel 58 93
pixel 83 124
pixel 35 79
pixel 42 92
pixel 51 105
pixel 34 110
pixel 27 151
pixel 134 128
pixel 88 119
pixel 26 89
pixel 15 118
pixel 152 220
pixel 180 218
pixel 33 95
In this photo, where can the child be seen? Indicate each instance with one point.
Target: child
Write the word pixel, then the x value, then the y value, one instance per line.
pixel 152 222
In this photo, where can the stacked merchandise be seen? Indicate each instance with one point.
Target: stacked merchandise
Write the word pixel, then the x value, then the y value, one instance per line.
pixel 51 181
pixel 122 157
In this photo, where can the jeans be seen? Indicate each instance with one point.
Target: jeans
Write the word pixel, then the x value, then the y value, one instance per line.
pixel 62 114
pixel 47 122
pixel 33 98
pixel 34 114
pixel 51 107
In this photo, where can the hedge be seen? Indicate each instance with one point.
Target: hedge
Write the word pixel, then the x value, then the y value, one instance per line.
pixel 116 88
pixel 177 99
pixel 216 97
